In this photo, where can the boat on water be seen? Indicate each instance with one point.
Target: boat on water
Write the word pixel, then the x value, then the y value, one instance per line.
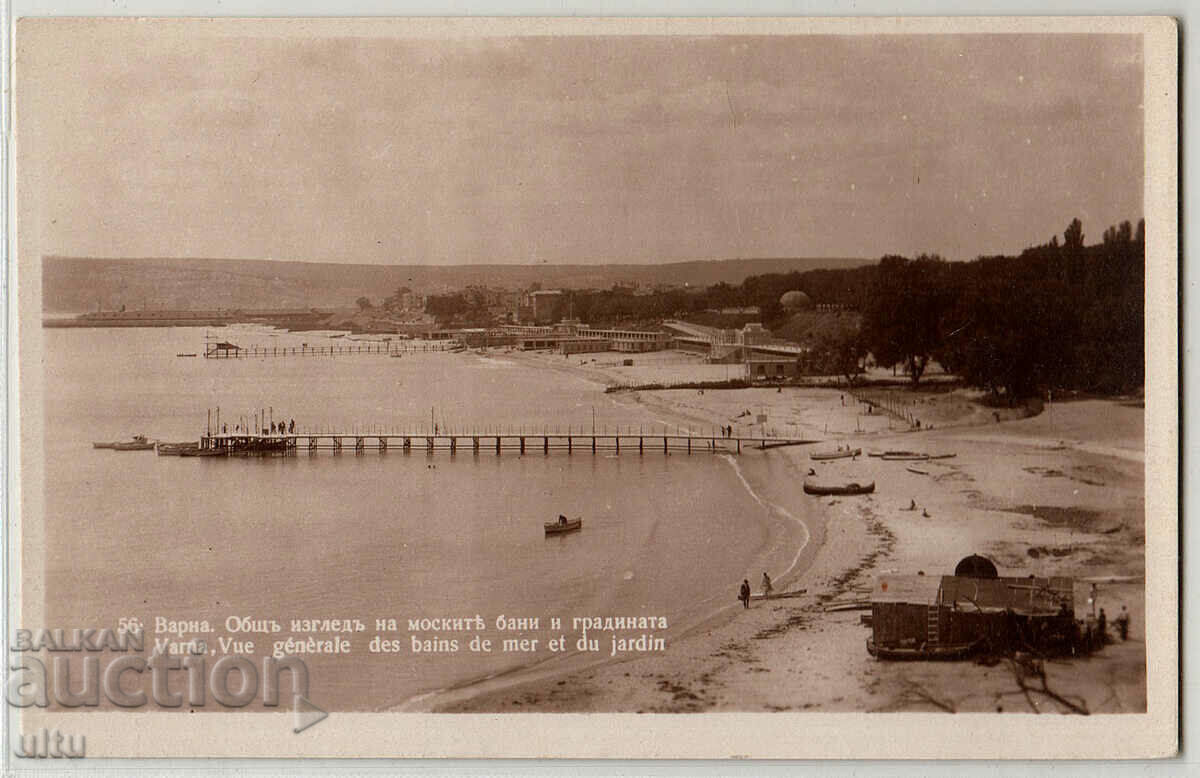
pixel 202 452
pixel 174 449
pixel 851 488
pixel 822 456
pixel 138 443
pixel 562 526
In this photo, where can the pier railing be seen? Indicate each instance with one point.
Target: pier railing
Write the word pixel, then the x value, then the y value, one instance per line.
pixel 628 440
pixel 389 348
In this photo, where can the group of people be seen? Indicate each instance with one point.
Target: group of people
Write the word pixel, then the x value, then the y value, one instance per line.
pixel 744 592
pixel 275 428
pixel 727 431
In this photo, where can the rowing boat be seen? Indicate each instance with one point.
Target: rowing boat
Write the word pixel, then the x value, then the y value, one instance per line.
pixel 838 489
pixel 136 445
pixel 203 452
pixel 559 527
pixel 925 651
pixel 175 449
pixel 907 456
pixel 822 456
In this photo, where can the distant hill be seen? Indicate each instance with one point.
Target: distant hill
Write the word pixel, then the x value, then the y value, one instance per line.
pixel 77 284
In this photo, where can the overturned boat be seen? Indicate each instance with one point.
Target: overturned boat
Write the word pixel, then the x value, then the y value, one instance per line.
pixel 811 487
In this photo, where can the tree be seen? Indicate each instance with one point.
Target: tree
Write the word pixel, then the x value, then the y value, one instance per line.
pixel 903 311
pixel 1073 254
pixel 1013 340
pixel 839 350
pixel 363 303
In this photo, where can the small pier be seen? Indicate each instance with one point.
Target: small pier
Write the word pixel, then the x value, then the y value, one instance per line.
pixel 617 441
pixel 218 349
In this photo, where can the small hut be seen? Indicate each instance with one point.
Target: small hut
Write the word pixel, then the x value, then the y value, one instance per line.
pixel 950 616
pixel 222 350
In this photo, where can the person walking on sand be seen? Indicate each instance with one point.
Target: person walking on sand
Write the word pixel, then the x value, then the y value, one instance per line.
pixel 1123 623
pixel 766 584
pixel 744 593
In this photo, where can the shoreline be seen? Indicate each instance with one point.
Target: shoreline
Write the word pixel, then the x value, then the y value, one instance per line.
pixel 755 477
pixel 1060 493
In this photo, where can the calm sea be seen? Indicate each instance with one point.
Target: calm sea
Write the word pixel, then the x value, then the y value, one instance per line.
pixel 374 536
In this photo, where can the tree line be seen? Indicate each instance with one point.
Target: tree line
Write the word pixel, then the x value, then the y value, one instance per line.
pixel 1058 316
pixel 1062 315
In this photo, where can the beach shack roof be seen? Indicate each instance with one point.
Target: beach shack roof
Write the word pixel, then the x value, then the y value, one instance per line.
pixel 1026 596
pixel 909 589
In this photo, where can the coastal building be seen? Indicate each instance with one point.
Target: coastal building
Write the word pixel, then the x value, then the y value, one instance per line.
pixel 547 305
pixel 765 368
pixel 584 345
pixel 629 341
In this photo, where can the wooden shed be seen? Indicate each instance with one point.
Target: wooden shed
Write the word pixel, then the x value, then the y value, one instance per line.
pixel 945 617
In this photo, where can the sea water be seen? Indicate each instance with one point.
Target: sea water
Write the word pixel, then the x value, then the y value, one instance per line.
pixel 375 537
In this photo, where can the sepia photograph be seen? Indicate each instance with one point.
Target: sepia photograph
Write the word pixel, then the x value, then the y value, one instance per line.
pixel 697 376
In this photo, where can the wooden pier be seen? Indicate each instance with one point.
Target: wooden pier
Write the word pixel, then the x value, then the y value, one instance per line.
pixel 226 350
pixel 617 441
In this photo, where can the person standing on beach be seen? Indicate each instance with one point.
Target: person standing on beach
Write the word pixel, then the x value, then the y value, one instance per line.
pixel 744 593
pixel 766 584
pixel 1123 623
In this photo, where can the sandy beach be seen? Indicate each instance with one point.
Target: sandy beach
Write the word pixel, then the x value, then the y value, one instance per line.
pixel 1057 493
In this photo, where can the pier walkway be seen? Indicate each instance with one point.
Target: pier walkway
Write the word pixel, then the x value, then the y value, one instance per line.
pixel 241 444
pixel 225 350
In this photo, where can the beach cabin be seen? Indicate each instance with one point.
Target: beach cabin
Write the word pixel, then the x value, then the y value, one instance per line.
pixel 950 616
pixel 222 350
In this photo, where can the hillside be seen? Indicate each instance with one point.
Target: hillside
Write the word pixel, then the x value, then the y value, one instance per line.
pixel 78 284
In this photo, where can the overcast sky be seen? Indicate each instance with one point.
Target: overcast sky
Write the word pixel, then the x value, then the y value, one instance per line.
pixel 609 149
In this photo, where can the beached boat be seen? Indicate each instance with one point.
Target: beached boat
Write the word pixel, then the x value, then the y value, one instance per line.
pixel 185 355
pixel 822 456
pixel 838 489
pixel 559 527
pixel 907 456
pixel 951 652
pixel 103 445
pixel 780 595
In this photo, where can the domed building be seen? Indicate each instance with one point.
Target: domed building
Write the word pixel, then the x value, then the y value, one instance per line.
pixel 795 300
pixel 976 566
